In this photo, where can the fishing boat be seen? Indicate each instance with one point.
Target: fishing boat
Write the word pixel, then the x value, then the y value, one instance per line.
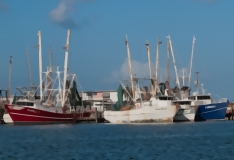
pixel 208 108
pixel 186 112
pixel 157 108
pixel 198 107
pixel 58 104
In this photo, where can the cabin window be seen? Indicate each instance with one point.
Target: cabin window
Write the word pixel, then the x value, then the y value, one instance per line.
pixel 170 98
pixel 24 103
pixel 191 98
pixel 185 102
pixel 203 97
pixel 29 104
pixel 165 98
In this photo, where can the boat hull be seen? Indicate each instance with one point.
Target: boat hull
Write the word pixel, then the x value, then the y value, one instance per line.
pixel 142 115
pixel 27 115
pixel 7 118
pixel 184 115
pixel 215 111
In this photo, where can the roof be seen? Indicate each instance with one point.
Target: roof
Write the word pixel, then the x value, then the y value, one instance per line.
pixel 24 100
pixel 99 91
pixel 100 100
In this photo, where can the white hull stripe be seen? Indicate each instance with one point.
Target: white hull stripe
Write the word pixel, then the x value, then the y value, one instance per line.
pixel 177 115
pixel 39 116
pixel 212 110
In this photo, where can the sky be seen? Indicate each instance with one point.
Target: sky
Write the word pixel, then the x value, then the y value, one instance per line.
pixel 97 53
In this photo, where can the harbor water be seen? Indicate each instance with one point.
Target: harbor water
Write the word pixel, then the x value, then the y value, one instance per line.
pixel 201 140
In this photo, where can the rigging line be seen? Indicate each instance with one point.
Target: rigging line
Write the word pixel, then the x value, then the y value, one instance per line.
pixel 53 84
pixel 215 89
pixel 126 91
pixel 213 86
pixel 215 94
pixel 39 85
pixel 79 83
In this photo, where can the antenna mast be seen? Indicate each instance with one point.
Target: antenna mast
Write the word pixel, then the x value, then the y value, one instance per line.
pixel 66 47
pixel 196 82
pixel 29 67
pixel 191 61
pixel 184 75
pixel 9 78
pixel 130 66
pixel 170 43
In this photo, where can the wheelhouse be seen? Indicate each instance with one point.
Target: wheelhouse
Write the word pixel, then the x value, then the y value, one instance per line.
pixel 165 98
pixel 20 103
pixel 183 102
pixel 199 97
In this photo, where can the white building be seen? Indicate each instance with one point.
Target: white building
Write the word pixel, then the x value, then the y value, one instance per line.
pixel 102 100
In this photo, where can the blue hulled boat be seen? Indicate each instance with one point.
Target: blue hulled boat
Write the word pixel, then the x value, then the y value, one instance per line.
pixel 213 111
pixel 208 109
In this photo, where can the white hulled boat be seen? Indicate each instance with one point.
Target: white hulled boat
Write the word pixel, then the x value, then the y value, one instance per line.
pixel 156 109
pixel 186 112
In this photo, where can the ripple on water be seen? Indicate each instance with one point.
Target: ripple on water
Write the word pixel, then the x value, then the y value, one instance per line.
pixel 206 140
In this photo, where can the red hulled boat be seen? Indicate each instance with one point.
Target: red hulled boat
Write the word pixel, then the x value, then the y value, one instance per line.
pixel 43 114
pixel 58 100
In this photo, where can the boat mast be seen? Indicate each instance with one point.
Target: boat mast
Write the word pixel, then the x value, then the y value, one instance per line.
pixel 183 70
pixel 157 57
pixel 191 60
pixel 177 78
pixel 59 85
pixel 130 66
pixel 150 72
pixel 168 62
pixel 40 62
pixel 29 67
pixel 49 78
pixel 50 59
pixel 9 78
pixel 66 47
pixel 157 63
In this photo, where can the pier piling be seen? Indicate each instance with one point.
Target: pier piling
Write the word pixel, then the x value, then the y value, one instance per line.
pixel 96 115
